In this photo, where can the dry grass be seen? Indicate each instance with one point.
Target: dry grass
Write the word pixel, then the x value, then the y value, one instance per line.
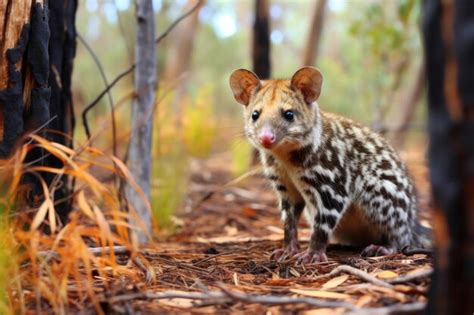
pixel 57 269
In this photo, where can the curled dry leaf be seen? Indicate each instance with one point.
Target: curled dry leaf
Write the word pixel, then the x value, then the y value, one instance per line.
pixel 386 274
pixel 335 282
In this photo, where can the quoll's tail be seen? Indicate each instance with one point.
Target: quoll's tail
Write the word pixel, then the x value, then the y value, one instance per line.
pixel 422 236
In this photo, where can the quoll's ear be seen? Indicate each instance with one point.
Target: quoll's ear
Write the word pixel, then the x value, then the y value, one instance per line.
pixel 243 82
pixel 308 80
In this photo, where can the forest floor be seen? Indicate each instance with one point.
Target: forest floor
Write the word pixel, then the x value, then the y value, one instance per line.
pixel 219 259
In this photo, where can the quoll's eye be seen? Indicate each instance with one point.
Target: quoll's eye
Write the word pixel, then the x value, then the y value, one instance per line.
pixel 289 115
pixel 255 115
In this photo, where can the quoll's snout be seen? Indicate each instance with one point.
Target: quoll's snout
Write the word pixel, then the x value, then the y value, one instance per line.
pixel 267 138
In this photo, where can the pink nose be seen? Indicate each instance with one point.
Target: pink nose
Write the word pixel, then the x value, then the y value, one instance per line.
pixel 267 138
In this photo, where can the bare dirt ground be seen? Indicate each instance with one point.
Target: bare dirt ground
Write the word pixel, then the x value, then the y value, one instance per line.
pixel 218 260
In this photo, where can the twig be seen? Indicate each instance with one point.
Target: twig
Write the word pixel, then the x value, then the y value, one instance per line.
pixel 282 300
pixel 414 276
pixel 356 272
pixel 111 101
pixel 120 250
pixel 132 67
pixel 149 274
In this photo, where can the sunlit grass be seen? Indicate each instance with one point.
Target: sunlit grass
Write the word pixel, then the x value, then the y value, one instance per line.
pixel 242 152
pixel 176 141
pixel 57 268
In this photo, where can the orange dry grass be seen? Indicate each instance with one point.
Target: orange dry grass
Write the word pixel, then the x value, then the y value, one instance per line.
pixel 58 269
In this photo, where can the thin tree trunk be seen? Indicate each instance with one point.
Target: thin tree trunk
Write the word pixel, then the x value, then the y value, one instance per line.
pixel 180 55
pixel 408 108
pixel 449 45
pixel 139 159
pixel 314 34
pixel 261 40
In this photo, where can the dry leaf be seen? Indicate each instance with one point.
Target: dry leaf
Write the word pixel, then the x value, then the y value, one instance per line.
pixel 236 279
pixel 279 282
pixel 404 288
pixel 335 282
pixel 178 302
pixel 321 294
pixel 419 270
pixel 249 212
pixel 386 274
pixel 364 300
pixel 324 311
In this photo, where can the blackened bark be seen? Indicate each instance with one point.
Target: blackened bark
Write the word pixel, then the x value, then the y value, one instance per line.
pixel 261 40
pixel 39 94
pixel 448 31
pixel 62 49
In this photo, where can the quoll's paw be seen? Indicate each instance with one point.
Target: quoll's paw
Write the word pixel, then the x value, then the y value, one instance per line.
pixel 309 257
pixel 377 250
pixel 287 252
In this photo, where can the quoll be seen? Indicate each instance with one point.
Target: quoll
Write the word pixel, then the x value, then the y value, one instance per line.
pixel 349 182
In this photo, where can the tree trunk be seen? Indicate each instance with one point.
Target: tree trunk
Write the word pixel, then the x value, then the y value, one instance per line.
pixel 449 47
pixel 37 41
pixel 261 40
pixel 408 108
pixel 180 55
pixel 314 34
pixel 139 158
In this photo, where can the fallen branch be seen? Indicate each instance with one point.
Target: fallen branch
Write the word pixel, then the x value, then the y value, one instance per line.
pixel 118 250
pixel 412 308
pixel 224 295
pixel 356 272
pixel 414 276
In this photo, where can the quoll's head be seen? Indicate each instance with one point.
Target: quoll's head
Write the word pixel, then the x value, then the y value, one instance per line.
pixel 279 114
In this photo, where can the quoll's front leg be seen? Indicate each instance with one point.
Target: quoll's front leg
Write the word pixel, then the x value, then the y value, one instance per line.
pixel 316 251
pixel 327 214
pixel 290 215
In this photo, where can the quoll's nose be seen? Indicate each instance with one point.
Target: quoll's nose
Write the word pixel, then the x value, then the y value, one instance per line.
pixel 267 138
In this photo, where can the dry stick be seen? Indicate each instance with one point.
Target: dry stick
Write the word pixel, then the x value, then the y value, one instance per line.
pixel 118 250
pixel 149 274
pixel 109 93
pixel 356 272
pixel 131 68
pixel 410 277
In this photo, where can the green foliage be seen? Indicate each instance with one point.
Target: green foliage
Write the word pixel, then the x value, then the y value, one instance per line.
pixel 242 153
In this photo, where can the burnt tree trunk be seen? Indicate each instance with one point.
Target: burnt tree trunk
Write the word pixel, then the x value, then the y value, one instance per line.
pixel 449 46
pixel 139 159
pixel 37 53
pixel 261 40
pixel 314 34
pixel 261 61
